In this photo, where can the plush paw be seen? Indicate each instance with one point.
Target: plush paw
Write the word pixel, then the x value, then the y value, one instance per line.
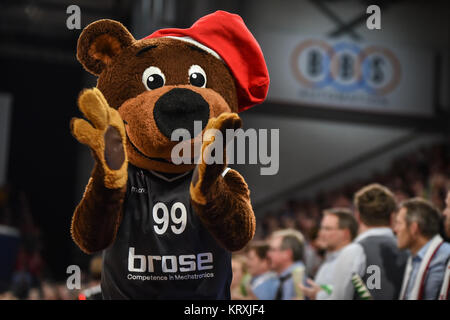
pixel 209 170
pixel 104 134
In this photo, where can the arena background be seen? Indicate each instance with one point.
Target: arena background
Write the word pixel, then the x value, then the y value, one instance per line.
pixel 326 149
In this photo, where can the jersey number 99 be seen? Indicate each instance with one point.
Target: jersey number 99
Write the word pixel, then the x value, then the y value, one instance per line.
pixel 162 222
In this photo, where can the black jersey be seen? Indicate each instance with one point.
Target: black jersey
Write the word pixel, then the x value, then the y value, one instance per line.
pixel 162 250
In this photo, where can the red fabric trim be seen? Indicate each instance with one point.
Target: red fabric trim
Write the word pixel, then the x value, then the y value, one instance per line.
pixel 448 288
pixel 422 283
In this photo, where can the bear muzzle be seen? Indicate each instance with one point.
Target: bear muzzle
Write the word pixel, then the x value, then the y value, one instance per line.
pixel 179 108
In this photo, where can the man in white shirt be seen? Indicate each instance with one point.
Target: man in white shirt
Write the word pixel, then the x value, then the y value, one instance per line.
pixel 373 255
pixel 338 228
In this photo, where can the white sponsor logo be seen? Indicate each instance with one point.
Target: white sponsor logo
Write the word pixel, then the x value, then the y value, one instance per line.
pixel 169 263
pixel 138 190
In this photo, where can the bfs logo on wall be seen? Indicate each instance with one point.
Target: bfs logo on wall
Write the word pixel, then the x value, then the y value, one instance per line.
pixel 346 67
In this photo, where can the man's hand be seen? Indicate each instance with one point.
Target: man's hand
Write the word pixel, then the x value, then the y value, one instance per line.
pixel 311 291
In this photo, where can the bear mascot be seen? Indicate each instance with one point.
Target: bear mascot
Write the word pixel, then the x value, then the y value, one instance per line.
pixel 167 228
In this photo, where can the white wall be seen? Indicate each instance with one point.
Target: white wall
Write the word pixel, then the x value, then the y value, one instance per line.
pixel 408 23
pixel 311 147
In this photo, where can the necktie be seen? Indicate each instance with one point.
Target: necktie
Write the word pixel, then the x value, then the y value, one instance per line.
pixel 283 279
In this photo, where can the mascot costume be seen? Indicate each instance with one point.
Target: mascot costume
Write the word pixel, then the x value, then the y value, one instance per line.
pixel 166 230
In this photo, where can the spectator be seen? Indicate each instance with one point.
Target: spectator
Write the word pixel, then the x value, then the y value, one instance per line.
pixel 25 253
pixel 446 215
pixel 49 290
pixel 314 252
pixel 264 283
pixel 93 290
pixel 7 295
pixel 286 248
pixel 35 294
pixel 375 246
pixel 417 229
pixel 21 284
pixel 338 229
pixel 445 289
pixel 239 269
pixel 64 293
pixel 270 223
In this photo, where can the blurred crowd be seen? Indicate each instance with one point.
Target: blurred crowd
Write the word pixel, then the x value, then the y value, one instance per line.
pixel 422 173
pixel 301 249
pixel 332 222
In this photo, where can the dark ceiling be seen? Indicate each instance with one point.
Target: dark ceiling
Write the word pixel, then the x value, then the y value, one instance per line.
pixel 31 29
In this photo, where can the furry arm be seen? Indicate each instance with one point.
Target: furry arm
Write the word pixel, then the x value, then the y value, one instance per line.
pixel 97 217
pixel 222 202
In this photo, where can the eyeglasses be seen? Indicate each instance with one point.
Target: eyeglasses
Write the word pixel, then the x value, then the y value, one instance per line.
pixel 276 249
pixel 329 228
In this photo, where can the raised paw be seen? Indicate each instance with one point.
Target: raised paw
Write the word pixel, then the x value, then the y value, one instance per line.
pixel 104 133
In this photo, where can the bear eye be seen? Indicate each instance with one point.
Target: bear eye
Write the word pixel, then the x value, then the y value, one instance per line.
pixel 197 76
pixel 153 78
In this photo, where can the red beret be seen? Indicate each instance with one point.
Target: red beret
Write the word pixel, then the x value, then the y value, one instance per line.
pixel 227 35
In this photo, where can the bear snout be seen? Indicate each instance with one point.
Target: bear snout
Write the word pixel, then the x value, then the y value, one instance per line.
pixel 178 109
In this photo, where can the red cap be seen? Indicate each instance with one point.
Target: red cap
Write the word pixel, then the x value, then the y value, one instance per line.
pixel 227 35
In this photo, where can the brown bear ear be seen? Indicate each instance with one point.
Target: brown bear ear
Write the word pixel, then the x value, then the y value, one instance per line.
pixel 100 42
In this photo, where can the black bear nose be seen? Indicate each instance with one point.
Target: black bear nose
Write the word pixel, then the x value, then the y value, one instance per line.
pixel 178 109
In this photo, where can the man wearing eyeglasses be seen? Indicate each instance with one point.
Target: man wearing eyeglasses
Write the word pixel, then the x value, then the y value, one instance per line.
pixel 338 228
pixel 286 249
